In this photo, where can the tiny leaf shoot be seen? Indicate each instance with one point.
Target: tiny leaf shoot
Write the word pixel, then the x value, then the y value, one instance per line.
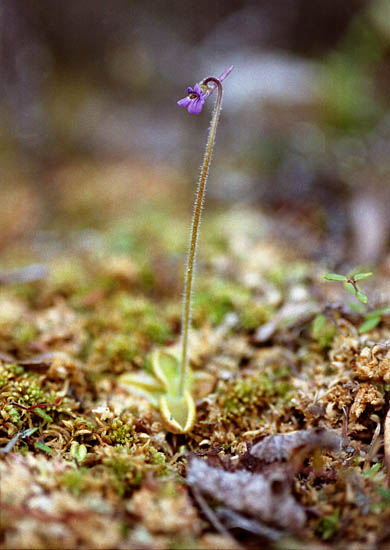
pixel 350 284
pixel 372 319
pixel 360 276
pixel 335 277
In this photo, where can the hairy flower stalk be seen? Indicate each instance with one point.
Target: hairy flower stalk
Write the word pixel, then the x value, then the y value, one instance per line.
pixel 190 268
pixel 170 386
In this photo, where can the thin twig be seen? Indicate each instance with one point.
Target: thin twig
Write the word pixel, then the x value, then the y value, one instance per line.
pixel 211 516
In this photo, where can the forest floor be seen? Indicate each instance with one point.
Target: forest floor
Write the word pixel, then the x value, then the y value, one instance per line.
pixel 85 462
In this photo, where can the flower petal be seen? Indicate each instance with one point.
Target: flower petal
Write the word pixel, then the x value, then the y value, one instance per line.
pixel 185 102
pixel 195 106
pixel 198 90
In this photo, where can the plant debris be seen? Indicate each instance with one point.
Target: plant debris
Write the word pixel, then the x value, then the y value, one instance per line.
pixel 266 498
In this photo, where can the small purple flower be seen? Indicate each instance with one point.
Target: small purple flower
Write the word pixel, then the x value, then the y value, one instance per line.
pixel 194 101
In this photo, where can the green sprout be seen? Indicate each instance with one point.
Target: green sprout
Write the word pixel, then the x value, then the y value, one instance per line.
pixel 350 284
pixel 371 318
pixel 170 386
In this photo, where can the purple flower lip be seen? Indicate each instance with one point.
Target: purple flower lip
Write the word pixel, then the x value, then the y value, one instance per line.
pixel 194 101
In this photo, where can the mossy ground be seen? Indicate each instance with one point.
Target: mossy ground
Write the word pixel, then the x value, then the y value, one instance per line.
pixel 100 471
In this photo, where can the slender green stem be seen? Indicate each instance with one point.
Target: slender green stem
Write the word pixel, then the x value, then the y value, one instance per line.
pixel 190 269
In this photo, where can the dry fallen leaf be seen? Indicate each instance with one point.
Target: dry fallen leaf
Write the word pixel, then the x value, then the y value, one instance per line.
pixel 268 499
pixel 280 447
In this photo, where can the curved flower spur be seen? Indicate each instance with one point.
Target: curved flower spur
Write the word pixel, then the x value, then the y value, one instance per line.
pixel 170 387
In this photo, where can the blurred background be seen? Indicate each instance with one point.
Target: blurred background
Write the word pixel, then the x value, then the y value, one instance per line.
pixel 89 126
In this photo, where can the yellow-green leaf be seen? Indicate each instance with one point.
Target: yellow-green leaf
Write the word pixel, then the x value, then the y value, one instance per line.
pixel 166 368
pixel 144 385
pixel 178 413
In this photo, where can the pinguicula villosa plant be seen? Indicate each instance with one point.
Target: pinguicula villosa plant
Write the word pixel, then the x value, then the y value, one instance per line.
pixel 170 387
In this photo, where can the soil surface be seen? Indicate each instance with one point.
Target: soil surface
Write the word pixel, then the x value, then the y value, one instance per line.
pixel 91 287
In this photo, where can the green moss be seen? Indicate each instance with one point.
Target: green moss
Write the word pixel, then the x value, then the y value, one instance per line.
pixel 157 330
pixel 287 273
pixel 184 542
pixel 385 497
pixel 121 347
pixel 159 459
pixel 33 393
pixel 14 369
pixel 126 472
pixel 26 388
pixel 119 464
pixel 14 414
pixel 141 315
pixel 8 371
pixel 121 433
pixel 67 277
pixel 253 315
pixel 24 333
pixel 74 480
pixel 247 395
pixel 371 472
pixel 328 525
pixel 323 331
pixel 27 391
pixel 217 297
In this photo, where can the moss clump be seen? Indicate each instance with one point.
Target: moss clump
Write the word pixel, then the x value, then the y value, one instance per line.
pixel 159 459
pixel 323 331
pixel 121 347
pixel 27 390
pixel 327 525
pixel 285 274
pixel 253 315
pixel 8 371
pixel 24 333
pixel 75 480
pixel 246 396
pixel 127 471
pixel 122 329
pixel 14 415
pixel 217 297
pixel 141 315
pixel 67 278
pixel 384 495
pixel 33 393
pixel 121 433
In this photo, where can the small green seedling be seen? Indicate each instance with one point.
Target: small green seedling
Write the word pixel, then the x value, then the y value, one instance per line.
pixel 373 318
pixel 350 284
pixel 170 387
